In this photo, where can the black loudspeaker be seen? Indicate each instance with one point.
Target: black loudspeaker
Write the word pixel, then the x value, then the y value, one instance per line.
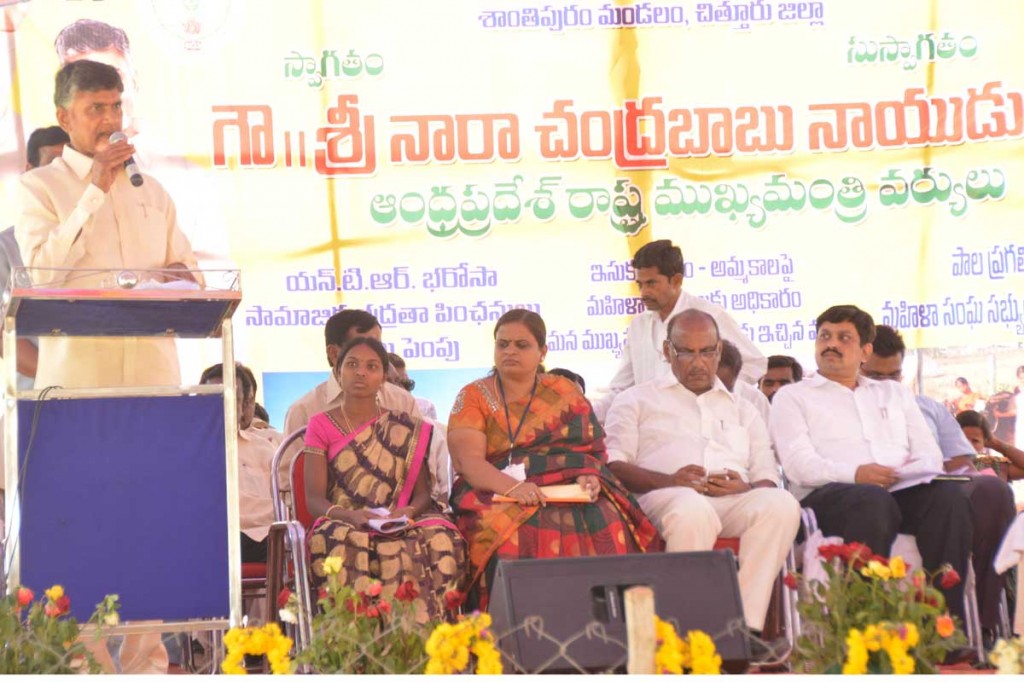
pixel 539 606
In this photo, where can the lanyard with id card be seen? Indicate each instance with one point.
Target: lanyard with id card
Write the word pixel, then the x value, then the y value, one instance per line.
pixel 516 471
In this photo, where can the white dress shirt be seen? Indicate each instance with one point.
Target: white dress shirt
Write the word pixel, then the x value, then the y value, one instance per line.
pixel 65 221
pixel 823 431
pixel 662 426
pixel 256 448
pixel 643 358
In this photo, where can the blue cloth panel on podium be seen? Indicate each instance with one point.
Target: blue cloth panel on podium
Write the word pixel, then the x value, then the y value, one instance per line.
pixel 127 496
pixel 114 317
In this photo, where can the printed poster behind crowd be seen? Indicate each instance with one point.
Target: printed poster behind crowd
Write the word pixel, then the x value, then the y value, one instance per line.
pixel 439 163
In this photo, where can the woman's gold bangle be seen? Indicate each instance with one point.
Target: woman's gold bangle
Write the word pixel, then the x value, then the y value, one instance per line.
pixel 510 490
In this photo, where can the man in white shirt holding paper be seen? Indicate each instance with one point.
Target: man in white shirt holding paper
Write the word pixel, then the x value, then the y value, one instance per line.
pixel 659 276
pixel 859 453
pixel 700 461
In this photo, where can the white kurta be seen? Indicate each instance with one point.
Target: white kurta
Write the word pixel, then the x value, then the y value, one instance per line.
pixel 65 221
pixel 661 426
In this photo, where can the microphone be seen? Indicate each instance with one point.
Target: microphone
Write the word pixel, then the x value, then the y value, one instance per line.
pixel 130 167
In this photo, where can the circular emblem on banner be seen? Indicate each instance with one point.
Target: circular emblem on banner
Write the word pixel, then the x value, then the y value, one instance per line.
pixel 193 22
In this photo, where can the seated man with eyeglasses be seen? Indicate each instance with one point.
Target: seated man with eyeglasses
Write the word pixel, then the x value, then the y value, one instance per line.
pixel 701 464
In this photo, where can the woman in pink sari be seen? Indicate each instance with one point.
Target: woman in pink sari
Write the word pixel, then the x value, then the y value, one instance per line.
pixel 364 464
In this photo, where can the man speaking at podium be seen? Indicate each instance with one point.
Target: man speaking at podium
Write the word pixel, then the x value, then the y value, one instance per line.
pixel 83 211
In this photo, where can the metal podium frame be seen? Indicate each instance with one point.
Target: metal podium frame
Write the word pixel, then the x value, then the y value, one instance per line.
pixel 221 304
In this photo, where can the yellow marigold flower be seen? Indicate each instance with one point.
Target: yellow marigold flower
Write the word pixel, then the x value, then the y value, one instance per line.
pixel 872 638
pixel 898 567
pixel 232 663
pixel 672 652
pixel 55 593
pixel 856 654
pixel 703 658
pixel 488 660
pixel 902 664
pixel 332 565
pixel 911 635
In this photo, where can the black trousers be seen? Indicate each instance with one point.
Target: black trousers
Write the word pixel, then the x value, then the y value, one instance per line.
pixel 937 514
pixel 993 511
pixel 253 552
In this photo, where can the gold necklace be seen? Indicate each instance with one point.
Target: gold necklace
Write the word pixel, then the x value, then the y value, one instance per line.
pixel 348 424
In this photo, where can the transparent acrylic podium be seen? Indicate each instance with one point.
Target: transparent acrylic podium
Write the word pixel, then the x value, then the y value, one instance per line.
pixel 129 490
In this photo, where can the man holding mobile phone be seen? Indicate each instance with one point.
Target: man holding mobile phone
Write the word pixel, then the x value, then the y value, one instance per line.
pixel 701 463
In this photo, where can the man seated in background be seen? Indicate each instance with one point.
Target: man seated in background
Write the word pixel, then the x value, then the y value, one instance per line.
pixel 859 453
pixel 992 507
pixel 782 371
pixel 701 464
pixel 256 448
pixel 729 366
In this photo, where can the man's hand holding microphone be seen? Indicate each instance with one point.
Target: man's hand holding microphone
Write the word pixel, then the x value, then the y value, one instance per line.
pixel 116 155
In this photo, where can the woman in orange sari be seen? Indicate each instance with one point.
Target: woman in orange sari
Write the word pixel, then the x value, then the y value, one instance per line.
pixel 519 429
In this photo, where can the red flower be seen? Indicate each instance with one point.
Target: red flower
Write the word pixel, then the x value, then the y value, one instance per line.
pixel 853 553
pixel 406 591
pixel 375 588
pixel 790 581
pixel 384 606
pixel 353 606
pixel 918 580
pixel 58 607
pixel 858 555
pixel 372 612
pixel 25 597
pixel 282 597
pixel 829 552
pixel 880 559
pixel 950 578
pixel 322 594
pixel 453 599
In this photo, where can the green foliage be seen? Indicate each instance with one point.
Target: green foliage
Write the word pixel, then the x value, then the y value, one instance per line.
pixel 863 591
pixel 40 636
pixel 364 633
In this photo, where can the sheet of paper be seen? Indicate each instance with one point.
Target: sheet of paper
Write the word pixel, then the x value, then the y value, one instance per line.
pixel 912 479
pixel 389 525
